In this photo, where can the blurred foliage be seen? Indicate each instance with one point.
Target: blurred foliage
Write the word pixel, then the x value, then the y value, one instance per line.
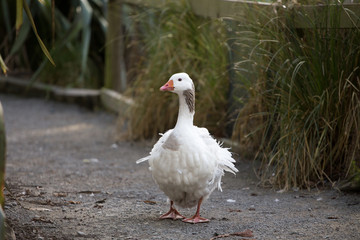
pixel 2 156
pixel 71 28
pixel 173 39
pixel 2 172
pixel 304 96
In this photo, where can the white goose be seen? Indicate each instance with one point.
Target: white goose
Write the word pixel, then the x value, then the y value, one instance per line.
pixel 186 162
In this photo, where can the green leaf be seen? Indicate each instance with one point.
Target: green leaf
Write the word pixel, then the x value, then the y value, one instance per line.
pixel 19 14
pixel 21 38
pixel 42 45
pixel 7 21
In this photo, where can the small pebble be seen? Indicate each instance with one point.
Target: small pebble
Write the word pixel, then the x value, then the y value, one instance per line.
pixel 79 233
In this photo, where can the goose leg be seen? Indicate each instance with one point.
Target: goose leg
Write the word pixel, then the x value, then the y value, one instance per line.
pixel 196 218
pixel 172 213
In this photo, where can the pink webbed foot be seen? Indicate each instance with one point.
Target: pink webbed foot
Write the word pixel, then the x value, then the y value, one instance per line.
pixel 172 213
pixel 196 219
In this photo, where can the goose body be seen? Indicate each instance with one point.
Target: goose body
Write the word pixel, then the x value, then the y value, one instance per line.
pixel 187 162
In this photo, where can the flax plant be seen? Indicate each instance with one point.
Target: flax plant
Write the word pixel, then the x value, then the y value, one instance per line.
pixel 74 32
pixel 175 40
pixel 308 89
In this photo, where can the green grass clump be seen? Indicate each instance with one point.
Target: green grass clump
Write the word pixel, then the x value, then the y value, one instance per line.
pixel 175 40
pixel 307 92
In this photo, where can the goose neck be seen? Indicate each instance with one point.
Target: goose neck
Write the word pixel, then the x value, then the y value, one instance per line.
pixel 186 111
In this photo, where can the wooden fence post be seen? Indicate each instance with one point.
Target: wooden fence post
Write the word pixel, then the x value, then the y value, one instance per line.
pixel 115 70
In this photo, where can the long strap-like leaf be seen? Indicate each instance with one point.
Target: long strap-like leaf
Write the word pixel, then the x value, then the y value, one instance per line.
pixel 19 14
pixel 42 45
pixel 2 65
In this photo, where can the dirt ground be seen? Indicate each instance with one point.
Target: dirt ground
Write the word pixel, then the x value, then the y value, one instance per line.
pixel 69 179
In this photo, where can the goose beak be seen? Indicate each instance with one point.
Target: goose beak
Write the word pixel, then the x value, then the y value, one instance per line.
pixel 169 86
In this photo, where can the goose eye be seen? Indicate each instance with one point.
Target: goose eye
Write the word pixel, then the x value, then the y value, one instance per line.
pixel 179 79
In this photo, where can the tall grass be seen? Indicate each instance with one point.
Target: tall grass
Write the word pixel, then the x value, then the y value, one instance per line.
pixel 175 40
pixel 307 95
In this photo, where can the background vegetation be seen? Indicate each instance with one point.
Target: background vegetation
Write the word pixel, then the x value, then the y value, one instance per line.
pixel 174 40
pixel 305 93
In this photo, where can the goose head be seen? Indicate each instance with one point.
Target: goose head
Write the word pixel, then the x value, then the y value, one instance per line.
pixel 183 86
pixel 178 83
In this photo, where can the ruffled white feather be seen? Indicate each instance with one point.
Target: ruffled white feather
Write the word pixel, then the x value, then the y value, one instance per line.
pixel 193 170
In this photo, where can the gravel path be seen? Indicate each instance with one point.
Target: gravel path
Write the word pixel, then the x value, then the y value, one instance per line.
pixel 70 179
